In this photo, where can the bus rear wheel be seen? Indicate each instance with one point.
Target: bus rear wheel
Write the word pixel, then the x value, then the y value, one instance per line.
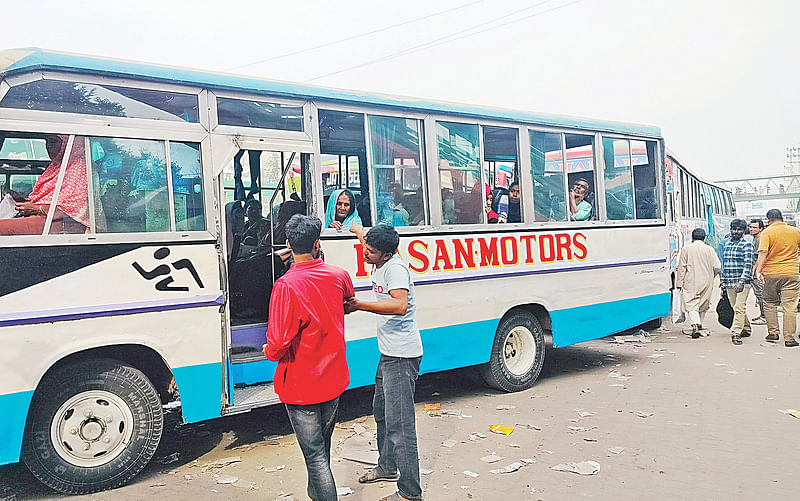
pixel 93 425
pixel 517 353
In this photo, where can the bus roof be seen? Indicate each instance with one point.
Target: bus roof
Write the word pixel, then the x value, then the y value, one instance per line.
pixel 17 61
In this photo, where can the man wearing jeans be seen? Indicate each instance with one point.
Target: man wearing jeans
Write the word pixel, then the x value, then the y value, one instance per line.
pixel 756 226
pixel 777 267
pixel 401 351
pixel 737 270
pixel 306 336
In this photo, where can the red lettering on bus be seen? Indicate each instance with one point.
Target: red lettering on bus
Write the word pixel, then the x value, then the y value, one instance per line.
pixel 547 251
pixel 511 258
pixel 563 246
pixel 361 263
pixel 580 246
pixel 443 256
pixel 528 239
pixel 464 253
pixel 489 254
pixel 420 256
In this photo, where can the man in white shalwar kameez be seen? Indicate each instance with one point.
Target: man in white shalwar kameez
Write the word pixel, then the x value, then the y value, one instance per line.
pixel 697 265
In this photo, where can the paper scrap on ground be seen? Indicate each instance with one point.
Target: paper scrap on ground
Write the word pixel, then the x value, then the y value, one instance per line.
pixel 792 412
pixel 449 443
pixel 222 462
pixel 655 355
pixel 359 428
pixel 529 426
pixel 492 458
pixel 616 450
pixel 501 430
pixel 433 407
pixel 582 468
pixel 343 491
pixel 584 414
pixel 505 407
pixel 470 474
pixel 476 436
pixel 581 428
pixel 642 414
pixel 516 465
pixel 425 471
pixel 527 460
pixel 227 479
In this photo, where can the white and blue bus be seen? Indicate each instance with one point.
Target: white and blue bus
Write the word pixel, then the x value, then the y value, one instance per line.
pixel 147 276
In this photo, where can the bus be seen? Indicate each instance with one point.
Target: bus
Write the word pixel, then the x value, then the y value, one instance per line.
pixel 694 203
pixel 147 278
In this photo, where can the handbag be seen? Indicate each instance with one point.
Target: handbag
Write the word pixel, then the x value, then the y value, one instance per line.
pixel 724 310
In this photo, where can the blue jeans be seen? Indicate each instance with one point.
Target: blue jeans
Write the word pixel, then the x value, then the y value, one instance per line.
pixel 395 382
pixel 313 426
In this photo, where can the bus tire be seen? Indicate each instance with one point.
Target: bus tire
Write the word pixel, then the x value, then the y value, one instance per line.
pixel 93 425
pixel 517 353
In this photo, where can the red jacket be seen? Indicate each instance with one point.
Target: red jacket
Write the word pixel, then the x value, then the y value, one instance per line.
pixel 305 333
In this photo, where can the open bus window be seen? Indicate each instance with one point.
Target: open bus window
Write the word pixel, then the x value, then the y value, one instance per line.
pixel 343 152
pixel 396 170
pixel 500 169
pixel 643 154
pixel 618 178
pixel 547 165
pixel 581 192
pixel 460 173
pixel 105 100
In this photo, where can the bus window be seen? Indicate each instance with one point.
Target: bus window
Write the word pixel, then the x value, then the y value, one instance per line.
pixel 131 183
pixel 581 191
pixel 460 173
pixel 618 181
pixel 684 195
pixel 344 159
pixel 643 154
pixel 187 186
pixel 500 169
pixel 22 183
pixel 547 165
pixel 259 114
pixel 396 169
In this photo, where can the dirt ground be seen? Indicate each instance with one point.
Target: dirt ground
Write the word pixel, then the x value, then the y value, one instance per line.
pixel 665 419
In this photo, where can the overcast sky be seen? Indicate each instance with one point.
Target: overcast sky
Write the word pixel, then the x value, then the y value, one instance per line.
pixel 721 78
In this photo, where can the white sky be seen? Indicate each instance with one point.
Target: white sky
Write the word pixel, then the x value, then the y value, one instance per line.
pixel 720 77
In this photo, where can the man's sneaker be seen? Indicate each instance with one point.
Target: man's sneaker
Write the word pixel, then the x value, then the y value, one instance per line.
pixel 695 331
pixel 735 339
pixel 772 338
pixel 745 334
pixel 791 343
pixel 377 475
pixel 759 321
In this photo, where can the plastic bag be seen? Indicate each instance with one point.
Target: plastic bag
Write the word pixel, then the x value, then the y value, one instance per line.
pixel 677 311
pixel 8 207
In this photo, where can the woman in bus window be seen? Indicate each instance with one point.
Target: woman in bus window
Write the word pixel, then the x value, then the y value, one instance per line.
pixel 341 211
pixel 71 214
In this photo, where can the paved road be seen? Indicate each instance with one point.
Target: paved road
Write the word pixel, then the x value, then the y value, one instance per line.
pixel 713 431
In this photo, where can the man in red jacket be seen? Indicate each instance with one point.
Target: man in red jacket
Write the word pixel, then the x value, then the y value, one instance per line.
pixel 306 337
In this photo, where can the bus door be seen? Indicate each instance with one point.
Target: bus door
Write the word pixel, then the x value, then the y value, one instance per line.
pixel 261 188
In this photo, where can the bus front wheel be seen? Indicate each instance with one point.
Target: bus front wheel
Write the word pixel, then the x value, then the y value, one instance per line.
pixel 517 353
pixel 93 425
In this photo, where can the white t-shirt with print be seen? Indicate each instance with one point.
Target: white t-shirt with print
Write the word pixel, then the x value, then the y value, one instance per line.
pixel 398 335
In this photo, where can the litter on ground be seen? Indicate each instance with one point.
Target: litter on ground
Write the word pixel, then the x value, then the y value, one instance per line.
pixel 642 414
pixel 492 458
pixel 791 412
pixel 470 474
pixel 501 430
pixel 510 468
pixel 582 468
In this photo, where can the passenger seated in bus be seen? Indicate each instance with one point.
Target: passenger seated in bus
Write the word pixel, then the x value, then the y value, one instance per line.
pixel 491 215
pixel 579 208
pixel 71 214
pixel 393 213
pixel 285 212
pixel 341 210
pixel 514 199
pixel 255 224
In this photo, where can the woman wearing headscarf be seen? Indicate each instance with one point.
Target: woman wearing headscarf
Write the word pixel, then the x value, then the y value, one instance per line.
pixel 341 210
pixel 72 207
pixel 491 215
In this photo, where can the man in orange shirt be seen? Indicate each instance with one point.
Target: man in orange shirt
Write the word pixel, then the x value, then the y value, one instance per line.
pixel 777 267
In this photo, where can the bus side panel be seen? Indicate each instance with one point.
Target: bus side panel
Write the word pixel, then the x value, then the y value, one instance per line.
pixel 12 424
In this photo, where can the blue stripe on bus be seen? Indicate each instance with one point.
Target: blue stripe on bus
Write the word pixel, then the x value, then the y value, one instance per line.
pixel 556 269
pixel 108 310
pixel 12 424
pixel 200 388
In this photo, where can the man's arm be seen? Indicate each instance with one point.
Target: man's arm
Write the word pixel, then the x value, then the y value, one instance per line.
pixel 358 230
pixel 762 256
pixel 282 327
pixel 747 273
pixel 396 305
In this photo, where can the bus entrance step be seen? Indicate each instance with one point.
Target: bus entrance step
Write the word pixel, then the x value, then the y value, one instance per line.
pixel 255 395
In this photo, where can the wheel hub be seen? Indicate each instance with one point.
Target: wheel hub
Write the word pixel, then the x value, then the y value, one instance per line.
pixel 519 350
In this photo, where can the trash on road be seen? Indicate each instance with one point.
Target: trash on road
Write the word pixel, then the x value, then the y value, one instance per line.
pixel 425 471
pixel 616 450
pixel 791 412
pixel 505 407
pixel 529 426
pixel 582 468
pixel 492 458
pixel 511 468
pixel 577 429
pixel 619 376
pixel 175 456
pixel 344 491
pixel 227 479
pixel 470 474
pixel 655 355
pixel 476 436
pixel 360 456
pixel 589 439
pixel 432 407
pixel 584 414
pixel 449 443
pixel 527 461
pixel 500 429
pixel 221 463
pixel 271 469
pixel 642 414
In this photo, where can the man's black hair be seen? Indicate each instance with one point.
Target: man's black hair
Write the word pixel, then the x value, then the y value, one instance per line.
pixel 758 221
pixel 383 238
pixel 739 224
pixel 774 214
pixel 698 234
pixel 301 232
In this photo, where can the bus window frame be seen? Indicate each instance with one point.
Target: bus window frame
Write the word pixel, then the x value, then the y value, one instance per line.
pixel 234 130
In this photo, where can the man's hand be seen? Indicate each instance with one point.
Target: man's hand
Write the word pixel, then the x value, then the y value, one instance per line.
pixel 357 229
pixel 351 304
pixel 336 225
pixel 739 287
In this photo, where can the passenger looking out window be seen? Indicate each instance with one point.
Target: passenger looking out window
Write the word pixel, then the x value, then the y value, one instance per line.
pixel 341 213
pixel 491 215
pixel 579 208
pixel 71 213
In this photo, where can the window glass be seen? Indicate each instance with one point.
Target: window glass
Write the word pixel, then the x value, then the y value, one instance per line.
pixel 187 186
pixel 396 169
pixel 12 148
pixel 130 181
pixel 581 203
pixel 501 172
pixel 106 100
pixel 344 159
pixel 643 154
pixel 22 183
pixel 618 181
pixel 547 165
pixel 260 114
pixel 684 195
pixel 460 173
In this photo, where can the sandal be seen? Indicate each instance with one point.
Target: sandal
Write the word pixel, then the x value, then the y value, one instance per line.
pixel 377 475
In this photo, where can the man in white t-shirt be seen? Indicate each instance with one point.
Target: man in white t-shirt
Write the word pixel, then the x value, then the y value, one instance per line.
pixel 400 345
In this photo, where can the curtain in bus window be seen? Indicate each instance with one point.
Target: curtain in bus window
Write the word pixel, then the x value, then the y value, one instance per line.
pixel 460 173
pixel 187 186
pixel 131 184
pixel 396 170
pixel 618 181
pixel 547 166
pixel 643 154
